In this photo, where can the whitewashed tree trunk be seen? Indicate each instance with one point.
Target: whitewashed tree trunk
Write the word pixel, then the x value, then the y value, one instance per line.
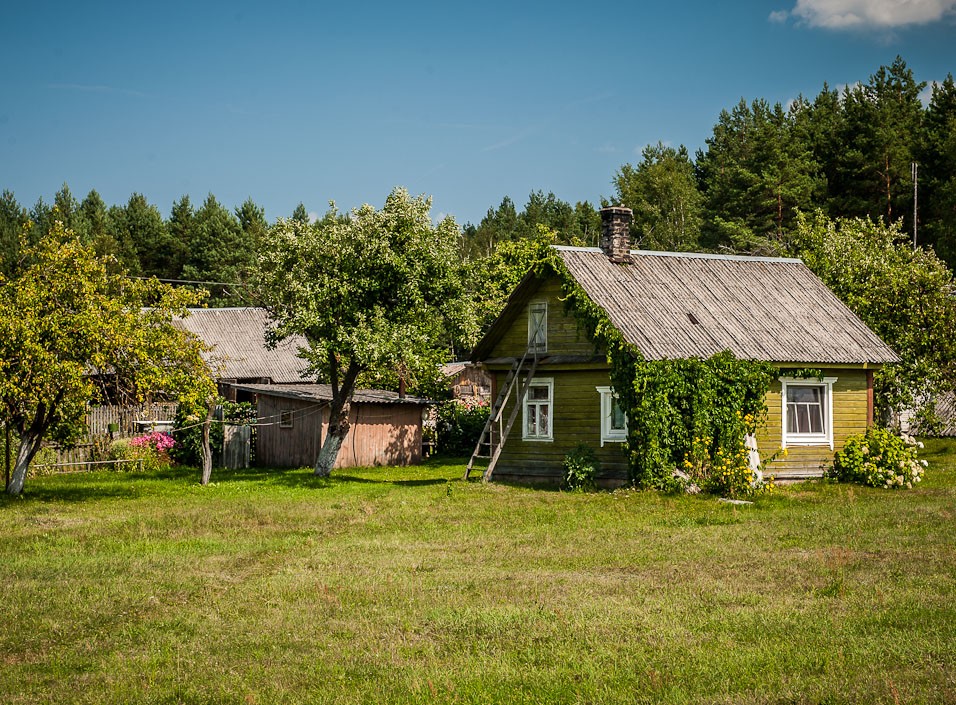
pixel 206 449
pixel 338 430
pixel 29 445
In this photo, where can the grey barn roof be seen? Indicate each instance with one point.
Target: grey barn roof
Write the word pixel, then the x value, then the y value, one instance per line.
pixel 237 336
pixel 323 393
pixel 679 305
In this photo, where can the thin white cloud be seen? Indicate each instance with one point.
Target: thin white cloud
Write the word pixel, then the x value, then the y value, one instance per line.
pixel 94 88
pixel 507 142
pixel 867 14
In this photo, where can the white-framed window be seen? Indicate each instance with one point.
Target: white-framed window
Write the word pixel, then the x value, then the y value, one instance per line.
pixel 807 411
pixel 538 405
pixel 285 418
pixel 538 326
pixel 613 418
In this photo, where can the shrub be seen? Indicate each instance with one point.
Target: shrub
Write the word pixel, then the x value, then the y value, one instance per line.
pixel 878 458
pixel 459 425
pixel 157 440
pixel 137 449
pixel 581 467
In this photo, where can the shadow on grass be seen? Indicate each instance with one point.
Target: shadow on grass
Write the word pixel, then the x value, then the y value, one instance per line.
pixel 92 486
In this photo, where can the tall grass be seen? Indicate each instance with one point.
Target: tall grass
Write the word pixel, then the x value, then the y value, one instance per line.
pixel 397 585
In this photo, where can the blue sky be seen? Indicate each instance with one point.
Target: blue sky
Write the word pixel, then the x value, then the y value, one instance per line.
pixel 467 102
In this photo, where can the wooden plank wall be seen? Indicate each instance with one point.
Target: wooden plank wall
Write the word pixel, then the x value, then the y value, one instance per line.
pixel 576 418
pixel 850 413
pixel 565 335
pixel 380 434
pixel 288 447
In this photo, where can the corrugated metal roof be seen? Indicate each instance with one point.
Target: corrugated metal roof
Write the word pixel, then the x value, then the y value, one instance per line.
pixel 323 393
pixel 678 305
pixel 237 336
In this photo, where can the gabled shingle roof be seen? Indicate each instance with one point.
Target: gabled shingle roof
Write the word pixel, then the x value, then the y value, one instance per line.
pixel 679 305
pixel 237 336
pixel 323 393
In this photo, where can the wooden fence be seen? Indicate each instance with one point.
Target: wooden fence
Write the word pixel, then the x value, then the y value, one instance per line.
pixel 104 423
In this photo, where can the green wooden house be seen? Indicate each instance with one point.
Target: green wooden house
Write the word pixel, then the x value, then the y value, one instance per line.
pixel 552 386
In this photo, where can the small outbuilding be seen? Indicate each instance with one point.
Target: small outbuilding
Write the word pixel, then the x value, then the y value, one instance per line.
pixel 386 428
pixel 467 381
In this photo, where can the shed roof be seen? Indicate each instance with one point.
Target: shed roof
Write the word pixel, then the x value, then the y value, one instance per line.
pixel 323 393
pixel 678 305
pixel 237 338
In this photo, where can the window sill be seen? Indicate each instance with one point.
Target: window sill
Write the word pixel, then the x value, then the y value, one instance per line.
pixel 808 441
pixel 537 439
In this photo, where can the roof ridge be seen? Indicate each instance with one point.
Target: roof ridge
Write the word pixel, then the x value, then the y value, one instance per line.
pixel 686 255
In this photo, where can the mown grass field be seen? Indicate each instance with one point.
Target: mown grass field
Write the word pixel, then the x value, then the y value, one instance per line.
pixel 406 585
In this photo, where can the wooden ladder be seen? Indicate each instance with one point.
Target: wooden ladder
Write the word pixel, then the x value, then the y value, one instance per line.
pixel 489 443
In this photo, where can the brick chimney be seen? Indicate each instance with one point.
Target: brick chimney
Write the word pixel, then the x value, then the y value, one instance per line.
pixel 615 234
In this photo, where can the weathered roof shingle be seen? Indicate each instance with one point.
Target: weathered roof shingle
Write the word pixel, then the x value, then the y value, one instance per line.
pixel 680 305
pixel 237 336
pixel 676 305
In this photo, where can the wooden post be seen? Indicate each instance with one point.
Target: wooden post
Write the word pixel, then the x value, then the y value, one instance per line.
pixel 206 450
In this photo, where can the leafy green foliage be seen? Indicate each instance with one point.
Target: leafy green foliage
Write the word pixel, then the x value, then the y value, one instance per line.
pixel 878 458
pixel 581 466
pixel 459 425
pixel 187 428
pixel 578 224
pixel 372 291
pixel 66 320
pixel 492 279
pixel 753 174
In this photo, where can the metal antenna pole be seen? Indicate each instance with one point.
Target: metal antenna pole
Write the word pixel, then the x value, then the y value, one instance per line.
pixel 915 194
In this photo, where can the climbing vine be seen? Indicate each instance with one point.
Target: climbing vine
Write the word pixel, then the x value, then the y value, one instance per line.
pixel 690 414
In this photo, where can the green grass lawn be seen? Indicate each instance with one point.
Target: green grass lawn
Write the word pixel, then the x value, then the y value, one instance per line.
pixel 407 585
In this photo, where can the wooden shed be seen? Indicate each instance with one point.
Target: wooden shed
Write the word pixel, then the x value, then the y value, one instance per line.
pixel 467 381
pixel 386 429
pixel 669 306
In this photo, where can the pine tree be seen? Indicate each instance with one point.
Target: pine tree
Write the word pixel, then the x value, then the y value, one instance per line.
pixel 937 194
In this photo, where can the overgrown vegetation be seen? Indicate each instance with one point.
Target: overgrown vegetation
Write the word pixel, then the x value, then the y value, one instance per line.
pixel 878 458
pixel 404 585
pixel 459 425
pixel 187 427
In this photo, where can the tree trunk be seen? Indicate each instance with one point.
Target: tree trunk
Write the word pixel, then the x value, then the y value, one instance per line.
pixel 29 445
pixel 206 450
pixel 338 415
pixel 338 430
